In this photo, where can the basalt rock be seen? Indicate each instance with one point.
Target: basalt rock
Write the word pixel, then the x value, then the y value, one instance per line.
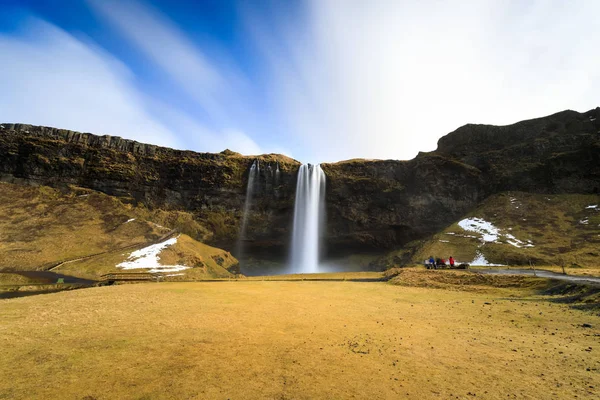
pixel 372 205
pixel 383 204
pixel 211 186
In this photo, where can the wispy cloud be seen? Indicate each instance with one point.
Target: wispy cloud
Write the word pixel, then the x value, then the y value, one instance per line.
pixel 336 79
pixel 220 90
pixel 51 78
pixel 385 79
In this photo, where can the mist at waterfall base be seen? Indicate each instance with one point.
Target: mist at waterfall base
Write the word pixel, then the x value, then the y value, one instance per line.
pixel 309 219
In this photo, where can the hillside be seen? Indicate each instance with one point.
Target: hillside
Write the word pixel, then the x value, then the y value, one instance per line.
pixel 516 228
pixel 42 228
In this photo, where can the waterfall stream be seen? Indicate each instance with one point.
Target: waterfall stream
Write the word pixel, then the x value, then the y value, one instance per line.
pixel 252 179
pixel 309 217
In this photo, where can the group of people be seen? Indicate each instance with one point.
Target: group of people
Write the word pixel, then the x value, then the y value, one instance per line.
pixel 435 263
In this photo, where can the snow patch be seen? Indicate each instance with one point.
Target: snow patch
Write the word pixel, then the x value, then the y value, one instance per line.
pixel 592 119
pixel 444 241
pixel 482 262
pixel 487 229
pixel 592 207
pixel 174 274
pixel 130 220
pixel 584 221
pixel 147 258
pixel 516 242
pixel 491 233
pixel 450 233
pixel 83 195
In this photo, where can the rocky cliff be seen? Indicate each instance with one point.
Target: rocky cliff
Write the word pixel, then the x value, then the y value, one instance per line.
pixel 382 204
pixel 371 205
pixel 211 186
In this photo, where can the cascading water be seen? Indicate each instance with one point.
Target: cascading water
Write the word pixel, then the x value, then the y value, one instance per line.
pixel 277 173
pixel 252 179
pixel 309 213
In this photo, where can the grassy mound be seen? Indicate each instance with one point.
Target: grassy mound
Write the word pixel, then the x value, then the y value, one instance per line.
pixel 203 262
pixel 461 280
pixel 7 278
pixel 584 295
pixel 40 226
pixel 559 230
pixel 86 233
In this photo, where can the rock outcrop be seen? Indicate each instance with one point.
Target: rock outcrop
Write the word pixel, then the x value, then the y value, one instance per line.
pixel 371 205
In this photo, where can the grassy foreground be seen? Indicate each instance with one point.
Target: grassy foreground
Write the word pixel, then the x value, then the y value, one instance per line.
pixel 295 340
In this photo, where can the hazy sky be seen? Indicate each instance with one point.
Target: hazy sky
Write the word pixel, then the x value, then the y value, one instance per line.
pixel 319 80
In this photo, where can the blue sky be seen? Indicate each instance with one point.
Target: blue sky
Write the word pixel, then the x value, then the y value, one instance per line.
pixel 319 80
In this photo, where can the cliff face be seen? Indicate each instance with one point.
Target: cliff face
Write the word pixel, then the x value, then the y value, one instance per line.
pixel 211 186
pixel 382 204
pixel 375 205
pixel 371 205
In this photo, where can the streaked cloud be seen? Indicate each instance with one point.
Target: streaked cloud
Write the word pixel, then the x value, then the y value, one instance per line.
pixel 330 79
pixel 386 79
pixel 54 79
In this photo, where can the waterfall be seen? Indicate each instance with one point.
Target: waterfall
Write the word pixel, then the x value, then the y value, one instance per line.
pixel 252 179
pixel 309 217
pixel 277 174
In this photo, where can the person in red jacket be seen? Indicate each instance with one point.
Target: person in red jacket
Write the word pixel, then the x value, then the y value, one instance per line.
pixel 451 261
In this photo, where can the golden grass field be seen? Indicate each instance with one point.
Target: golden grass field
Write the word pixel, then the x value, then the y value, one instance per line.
pixel 298 340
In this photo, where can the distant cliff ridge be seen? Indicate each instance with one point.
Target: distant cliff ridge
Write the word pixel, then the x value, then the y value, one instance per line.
pixel 371 205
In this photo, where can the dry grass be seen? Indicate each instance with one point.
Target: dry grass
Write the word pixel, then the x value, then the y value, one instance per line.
pixel 40 226
pixel 7 278
pixel 294 340
pixel 205 261
pixel 319 277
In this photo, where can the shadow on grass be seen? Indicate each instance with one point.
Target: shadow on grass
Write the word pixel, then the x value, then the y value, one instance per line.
pixel 579 296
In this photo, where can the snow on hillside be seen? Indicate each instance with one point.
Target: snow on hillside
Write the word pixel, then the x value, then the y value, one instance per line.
pixel 147 258
pixel 480 261
pixel 490 233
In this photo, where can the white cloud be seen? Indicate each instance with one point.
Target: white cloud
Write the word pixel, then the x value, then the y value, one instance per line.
pixel 213 83
pixel 385 79
pixel 50 78
pixel 54 79
pixel 340 79
pixel 197 137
